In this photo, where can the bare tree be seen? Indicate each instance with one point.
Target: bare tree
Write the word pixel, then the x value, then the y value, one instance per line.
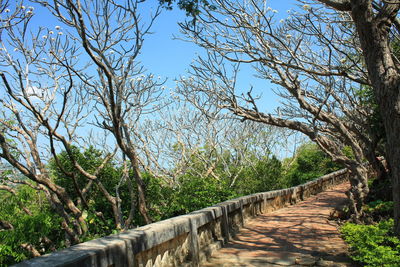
pixel 198 141
pixel 313 57
pixel 58 81
pixel 112 34
pixel 30 112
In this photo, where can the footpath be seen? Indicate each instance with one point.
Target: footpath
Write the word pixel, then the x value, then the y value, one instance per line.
pixel 298 235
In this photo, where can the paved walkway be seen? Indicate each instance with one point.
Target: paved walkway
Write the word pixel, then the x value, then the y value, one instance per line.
pixel 299 235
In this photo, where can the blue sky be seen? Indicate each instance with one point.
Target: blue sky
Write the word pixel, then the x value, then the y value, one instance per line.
pixel 162 54
pixel 168 57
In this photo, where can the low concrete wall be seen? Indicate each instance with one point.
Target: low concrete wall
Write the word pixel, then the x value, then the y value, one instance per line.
pixel 184 240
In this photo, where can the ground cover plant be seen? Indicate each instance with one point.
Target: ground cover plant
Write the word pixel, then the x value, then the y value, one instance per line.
pixel 373 242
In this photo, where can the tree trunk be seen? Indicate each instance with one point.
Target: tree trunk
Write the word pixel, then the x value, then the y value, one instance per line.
pixel 141 192
pixel 124 142
pixel 373 31
pixel 393 151
pixel 73 234
pixel 358 191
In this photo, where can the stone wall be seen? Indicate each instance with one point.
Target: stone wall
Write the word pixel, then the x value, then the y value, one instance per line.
pixel 184 240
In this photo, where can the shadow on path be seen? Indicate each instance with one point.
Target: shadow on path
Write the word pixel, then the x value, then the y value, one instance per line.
pixel 298 235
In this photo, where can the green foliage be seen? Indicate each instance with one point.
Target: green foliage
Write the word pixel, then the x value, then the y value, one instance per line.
pixel 196 193
pixel 232 177
pixel 380 188
pixel 379 209
pixel 348 152
pixel 265 175
pixel 192 7
pixel 28 229
pixel 8 256
pixel 379 206
pixel 368 101
pixel 159 196
pixel 90 159
pixel 310 163
pixel 373 245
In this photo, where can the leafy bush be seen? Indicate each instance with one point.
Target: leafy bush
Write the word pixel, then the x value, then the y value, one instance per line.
pixel 27 229
pixel 8 256
pixel 380 188
pixel 159 196
pixel 89 159
pixel 379 207
pixel 310 163
pixel 373 245
pixel 195 193
pixel 265 175
pixel 190 192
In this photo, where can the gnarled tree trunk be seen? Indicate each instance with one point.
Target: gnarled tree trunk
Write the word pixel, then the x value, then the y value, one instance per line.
pixel 373 30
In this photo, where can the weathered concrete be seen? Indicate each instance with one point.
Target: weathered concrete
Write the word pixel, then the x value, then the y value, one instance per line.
pixel 185 240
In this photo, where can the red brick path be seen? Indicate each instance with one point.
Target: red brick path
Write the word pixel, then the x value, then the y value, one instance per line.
pixel 299 235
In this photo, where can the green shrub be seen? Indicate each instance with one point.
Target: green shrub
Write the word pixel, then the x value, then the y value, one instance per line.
pixel 379 206
pixel 9 256
pixel 29 229
pixel 310 163
pixel 264 175
pixel 373 245
pixel 379 210
pixel 195 193
pixel 159 196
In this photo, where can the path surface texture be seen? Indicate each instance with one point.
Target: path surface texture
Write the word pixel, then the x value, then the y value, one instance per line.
pixel 299 235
